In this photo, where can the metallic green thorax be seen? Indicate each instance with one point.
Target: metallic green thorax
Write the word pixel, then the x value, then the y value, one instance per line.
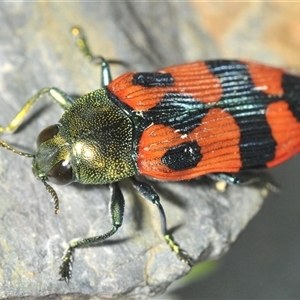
pixel 95 136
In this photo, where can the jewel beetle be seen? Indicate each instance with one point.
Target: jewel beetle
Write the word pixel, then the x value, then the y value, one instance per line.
pixel 216 118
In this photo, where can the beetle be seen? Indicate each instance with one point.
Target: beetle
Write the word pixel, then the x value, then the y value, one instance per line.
pixel 215 118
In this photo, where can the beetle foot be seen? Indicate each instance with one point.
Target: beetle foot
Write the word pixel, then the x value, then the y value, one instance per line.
pixel 65 269
pixel 181 254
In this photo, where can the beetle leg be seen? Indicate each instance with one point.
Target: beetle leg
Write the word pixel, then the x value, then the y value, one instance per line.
pixel 149 193
pixel 105 72
pixel 116 206
pixel 246 178
pixel 230 178
pixel 84 48
pixel 57 95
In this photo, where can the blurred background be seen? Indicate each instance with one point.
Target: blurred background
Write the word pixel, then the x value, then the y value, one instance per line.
pixel 264 262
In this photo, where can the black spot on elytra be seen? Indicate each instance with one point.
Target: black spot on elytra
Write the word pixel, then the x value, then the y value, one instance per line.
pixel 153 79
pixel 291 87
pixel 182 157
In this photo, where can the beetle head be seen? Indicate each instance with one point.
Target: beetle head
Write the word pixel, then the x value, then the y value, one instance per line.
pixel 52 160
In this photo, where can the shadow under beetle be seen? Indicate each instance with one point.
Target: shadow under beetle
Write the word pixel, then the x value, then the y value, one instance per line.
pixel 212 118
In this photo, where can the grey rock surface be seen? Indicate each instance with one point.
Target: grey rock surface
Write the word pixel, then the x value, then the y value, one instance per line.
pixel 36 51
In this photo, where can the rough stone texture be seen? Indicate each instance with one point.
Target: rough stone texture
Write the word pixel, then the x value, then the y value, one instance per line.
pixel 37 51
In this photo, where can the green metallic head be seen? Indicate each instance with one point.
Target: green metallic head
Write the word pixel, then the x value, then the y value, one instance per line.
pixel 52 160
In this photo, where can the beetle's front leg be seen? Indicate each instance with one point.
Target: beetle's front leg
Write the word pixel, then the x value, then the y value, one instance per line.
pixel 57 95
pixel 116 210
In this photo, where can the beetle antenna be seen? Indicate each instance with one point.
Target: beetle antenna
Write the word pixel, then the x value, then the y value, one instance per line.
pixel 49 188
pixel 53 194
pixel 14 150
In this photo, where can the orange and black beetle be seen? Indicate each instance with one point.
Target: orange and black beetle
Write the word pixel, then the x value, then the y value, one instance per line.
pixel 204 118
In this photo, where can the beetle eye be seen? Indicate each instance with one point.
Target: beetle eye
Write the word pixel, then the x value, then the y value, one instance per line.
pixel 47 134
pixel 61 173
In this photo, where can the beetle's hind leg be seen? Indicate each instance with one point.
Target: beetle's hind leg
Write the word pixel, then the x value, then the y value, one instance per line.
pixel 149 193
pixel 244 178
